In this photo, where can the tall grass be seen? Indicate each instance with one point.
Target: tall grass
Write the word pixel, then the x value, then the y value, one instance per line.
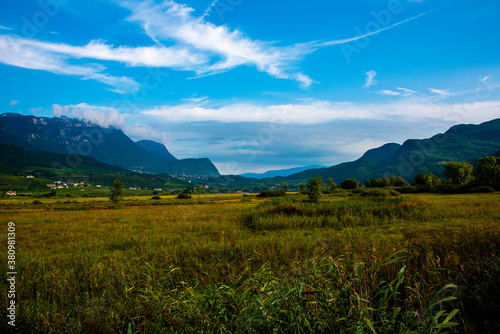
pixel 258 266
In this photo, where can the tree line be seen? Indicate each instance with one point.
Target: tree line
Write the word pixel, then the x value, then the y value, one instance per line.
pixel 459 174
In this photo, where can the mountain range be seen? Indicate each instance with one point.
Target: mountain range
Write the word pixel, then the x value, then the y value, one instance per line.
pixel 109 145
pixel 77 142
pixel 464 142
pixel 280 172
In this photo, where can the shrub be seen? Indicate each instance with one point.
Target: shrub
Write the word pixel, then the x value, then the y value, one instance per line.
pixel 483 189
pixel 37 202
pixel 156 197
pixel 349 184
pixel 379 193
pixel 272 193
pixel 183 196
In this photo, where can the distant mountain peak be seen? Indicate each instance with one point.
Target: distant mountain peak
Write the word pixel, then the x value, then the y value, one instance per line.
pixel 156 148
pixel 381 153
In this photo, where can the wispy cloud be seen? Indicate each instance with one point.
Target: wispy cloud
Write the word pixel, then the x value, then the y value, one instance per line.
pixel 193 45
pixel 353 39
pixel 388 92
pixel 14 102
pixel 225 48
pixel 442 92
pixel 399 92
pixel 370 79
pixel 20 52
pixel 406 91
pixel 209 9
pixel 5 28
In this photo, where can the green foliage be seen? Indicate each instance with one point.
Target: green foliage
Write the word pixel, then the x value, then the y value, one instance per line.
pixel 488 172
pixel 428 180
pixel 379 193
pixel 285 186
pixel 272 193
pixel 486 304
pixel 483 190
pixel 263 266
pixel 459 172
pixel 199 190
pixel 116 192
pixel 315 187
pixel 302 188
pixel 156 197
pixel 332 186
pixel 386 182
pixel 183 196
pixel 350 184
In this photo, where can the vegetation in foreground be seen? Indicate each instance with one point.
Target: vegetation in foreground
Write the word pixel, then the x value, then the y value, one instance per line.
pixel 372 263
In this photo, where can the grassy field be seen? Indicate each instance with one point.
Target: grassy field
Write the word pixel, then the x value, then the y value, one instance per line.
pixel 242 264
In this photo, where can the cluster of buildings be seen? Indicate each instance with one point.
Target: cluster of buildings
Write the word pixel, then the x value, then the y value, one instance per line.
pixel 65 185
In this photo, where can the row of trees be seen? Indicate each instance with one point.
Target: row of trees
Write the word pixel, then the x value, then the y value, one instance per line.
pixel 487 173
pixel 391 181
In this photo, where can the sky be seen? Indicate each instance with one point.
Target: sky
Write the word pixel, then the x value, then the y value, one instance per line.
pixel 255 85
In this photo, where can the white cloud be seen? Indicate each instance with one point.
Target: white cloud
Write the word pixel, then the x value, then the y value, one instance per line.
pixel 400 92
pixel 370 79
pixel 352 39
pixel 209 9
pixel 58 110
pixel 442 92
pixel 5 28
pixel 194 45
pixel 35 110
pixel 157 56
pixel 24 53
pixel 388 92
pixel 226 48
pixel 14 102
pixel 102 116
pixel 406 91
pixel 319 111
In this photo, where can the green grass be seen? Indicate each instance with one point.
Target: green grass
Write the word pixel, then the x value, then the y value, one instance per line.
pixel 228 263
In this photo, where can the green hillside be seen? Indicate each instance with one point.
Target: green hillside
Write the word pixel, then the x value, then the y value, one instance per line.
pixel 459 143
pixel 17 163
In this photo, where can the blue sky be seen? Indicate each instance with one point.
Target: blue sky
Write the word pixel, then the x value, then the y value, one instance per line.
pixel 255 85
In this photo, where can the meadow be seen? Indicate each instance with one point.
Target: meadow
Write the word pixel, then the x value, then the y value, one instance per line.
pixel 416 263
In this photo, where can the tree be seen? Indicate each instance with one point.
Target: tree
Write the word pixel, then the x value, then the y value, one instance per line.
pixel 116 192
pixel 302 188
pixel 315 185
pixel 331 185
pixel 285 186
pixel 488 172
pixel 459 172
pixel 428 180
pixel 399 182
pixel 350 184
pixel 199 190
